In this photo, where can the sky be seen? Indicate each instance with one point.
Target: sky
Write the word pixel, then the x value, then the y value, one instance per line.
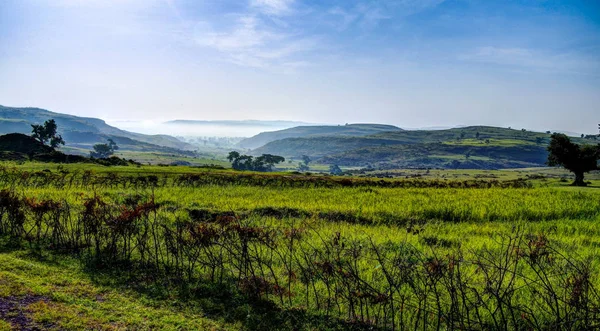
pixel 531 64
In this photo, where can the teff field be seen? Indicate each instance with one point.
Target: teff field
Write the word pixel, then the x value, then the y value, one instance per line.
pixel 149 247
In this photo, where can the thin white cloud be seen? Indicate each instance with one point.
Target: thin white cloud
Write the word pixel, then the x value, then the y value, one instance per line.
pixel 368 14
pixel 534 60
pixel 273 7
pixel 371 15
pixel 246 34
pixel 344 18
pixel 253 43
pixel 99 3
pixel 409 7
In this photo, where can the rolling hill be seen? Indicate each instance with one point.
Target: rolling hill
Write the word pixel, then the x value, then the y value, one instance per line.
pixel 83 132
pixel 348 130
pixel 478 147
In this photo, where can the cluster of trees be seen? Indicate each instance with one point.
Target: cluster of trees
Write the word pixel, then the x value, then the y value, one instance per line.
pixel 264 162
pixel 590 136
pixel 103 151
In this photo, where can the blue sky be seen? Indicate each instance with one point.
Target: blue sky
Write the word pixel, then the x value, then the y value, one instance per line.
pixel 528 64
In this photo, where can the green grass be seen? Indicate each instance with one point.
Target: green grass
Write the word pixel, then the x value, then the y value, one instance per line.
pixel 544 176
pixel 163 158
pixel 435 222
pixel 489 142
pixel 77 301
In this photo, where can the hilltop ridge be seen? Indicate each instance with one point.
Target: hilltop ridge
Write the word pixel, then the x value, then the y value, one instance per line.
pixel 350 130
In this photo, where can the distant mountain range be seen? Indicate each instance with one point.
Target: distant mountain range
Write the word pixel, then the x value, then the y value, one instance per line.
pixel 205 128
pixel 84 132
pixel 266 124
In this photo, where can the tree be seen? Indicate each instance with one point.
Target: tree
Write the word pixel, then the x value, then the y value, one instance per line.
pixel 477 135
pixel 244 162
pixel 306 159
pixel 46 132
pixel 334 169
pixel 575 158
pixel 232 156
pixel 266 162
pixel 302 167
pixel 112 144
pixel 103 151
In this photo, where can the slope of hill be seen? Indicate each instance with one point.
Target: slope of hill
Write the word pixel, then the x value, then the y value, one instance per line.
pixel 19 143
pixel 20 119
pixel 480 147
pixel 18 147
pixel 86 140
pixel 349 130
pixel 317 147
pixel 442 155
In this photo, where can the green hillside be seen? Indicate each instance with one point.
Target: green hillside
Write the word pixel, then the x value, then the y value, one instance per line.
pixel 317 147
pixel 74 128
pixel 350 130
pixel 442 155
pixel 476 147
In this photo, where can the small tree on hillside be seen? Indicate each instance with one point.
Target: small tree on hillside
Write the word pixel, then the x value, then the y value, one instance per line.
pixel 575 158
pixel 46 133
pixel 334 169
pixel 103 151
pixel 303 167
pixel 306 159
pixel 113 145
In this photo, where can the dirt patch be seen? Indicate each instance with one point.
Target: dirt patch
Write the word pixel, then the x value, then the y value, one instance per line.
pixel 14 309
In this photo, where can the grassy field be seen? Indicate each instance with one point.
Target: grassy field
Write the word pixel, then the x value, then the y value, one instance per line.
pixel 55 292
pixel 553 177
pixel 198 248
